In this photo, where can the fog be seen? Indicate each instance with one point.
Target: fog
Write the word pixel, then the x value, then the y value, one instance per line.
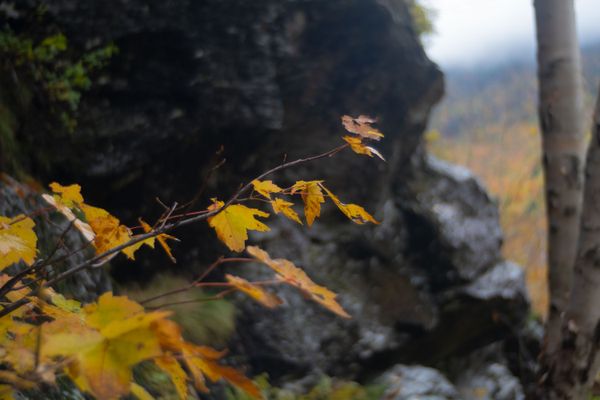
pixel 476 32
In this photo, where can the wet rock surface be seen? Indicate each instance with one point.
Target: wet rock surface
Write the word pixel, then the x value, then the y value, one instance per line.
pixel 267 80
pixel 417 382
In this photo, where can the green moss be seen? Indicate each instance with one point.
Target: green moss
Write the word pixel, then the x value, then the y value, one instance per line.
pixel 209 323
pixel 326 389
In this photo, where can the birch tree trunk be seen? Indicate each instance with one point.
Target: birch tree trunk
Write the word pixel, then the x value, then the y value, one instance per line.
pixel 575 365
pixel 560 116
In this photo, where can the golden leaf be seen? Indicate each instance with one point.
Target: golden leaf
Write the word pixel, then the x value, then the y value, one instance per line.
pixel 69 195
pixel 289 273
pixel 285 207
pixel 233 223
pixel 117 335
pixel 162 239
pixel 361 126
pixel 359 147
pixel 266 188
pixel 312 196
pixel 108 229
pixel 171 367
pixel 18 241
pixel 355 213
pixel 202 365
pixel 256 292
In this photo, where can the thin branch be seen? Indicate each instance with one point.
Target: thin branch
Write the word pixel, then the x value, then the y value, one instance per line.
pixel 211 267
pixel 202 300
pixel 168 227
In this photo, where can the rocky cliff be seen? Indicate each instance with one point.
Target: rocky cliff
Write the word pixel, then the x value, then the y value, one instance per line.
pixel 266 80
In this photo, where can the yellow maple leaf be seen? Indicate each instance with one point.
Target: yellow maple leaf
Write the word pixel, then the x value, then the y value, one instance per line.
pixel 107 228
pixel 355 213
pixel 312 196
pixel 289 273
pixel 233 223
pixel 359 147
pixel 256 292
pixel 114 336
pixel 285 207
pixel 18 241
pixel 266 188
pixel 69 195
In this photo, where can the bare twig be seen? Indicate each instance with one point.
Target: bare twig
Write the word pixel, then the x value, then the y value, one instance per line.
pixel 96 260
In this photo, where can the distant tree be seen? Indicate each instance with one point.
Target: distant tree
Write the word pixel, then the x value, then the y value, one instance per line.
pixel 570 355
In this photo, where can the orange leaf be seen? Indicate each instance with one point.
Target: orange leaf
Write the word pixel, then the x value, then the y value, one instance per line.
pixel 108 229
pixel 18 241
pixel 256 292
pixel 361 126
pixel 162 240
pixel 266 188
pixel 359 147
pixel 285 207
pixel 233 223
pixel 215 371
pixel 294 276
pixel 312 196
pixel 354 212
pixel 114 335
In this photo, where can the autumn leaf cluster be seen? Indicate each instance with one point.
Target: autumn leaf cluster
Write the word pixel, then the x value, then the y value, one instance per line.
pixel 96 345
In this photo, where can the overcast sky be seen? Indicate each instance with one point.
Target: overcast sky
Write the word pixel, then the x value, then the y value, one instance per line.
pixel 471 32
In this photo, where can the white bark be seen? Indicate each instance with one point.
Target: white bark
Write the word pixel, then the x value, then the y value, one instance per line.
pixel 575 365
pixel 560 114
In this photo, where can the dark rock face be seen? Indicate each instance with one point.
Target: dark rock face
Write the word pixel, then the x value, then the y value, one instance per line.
pixel 268 78
pixel 424 291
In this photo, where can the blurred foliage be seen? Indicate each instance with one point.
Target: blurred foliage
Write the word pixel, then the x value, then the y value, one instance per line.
pixel 422 16
pixel 208 322
pixel 34 51
pixel 155 381
pixel 61 75
pixel 326 389
pixel 509 166
pixel 488 123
